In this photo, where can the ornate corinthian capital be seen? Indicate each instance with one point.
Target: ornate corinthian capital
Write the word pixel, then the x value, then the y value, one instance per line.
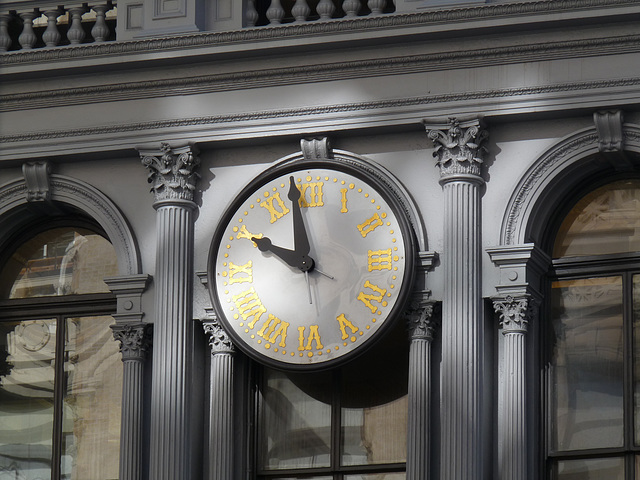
pixel 219 341
pixel 172 172
pixel 515 312
pixel 458 147
pixel 135 340
pixel 421 322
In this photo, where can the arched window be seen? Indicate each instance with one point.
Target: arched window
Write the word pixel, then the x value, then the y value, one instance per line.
pixel 60 369
pixel 593 338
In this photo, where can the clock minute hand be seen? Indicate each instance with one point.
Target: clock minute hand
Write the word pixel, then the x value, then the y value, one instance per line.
pixel 300 239
pixel 290 257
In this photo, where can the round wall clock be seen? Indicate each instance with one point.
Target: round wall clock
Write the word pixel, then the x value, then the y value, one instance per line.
pixel 311 263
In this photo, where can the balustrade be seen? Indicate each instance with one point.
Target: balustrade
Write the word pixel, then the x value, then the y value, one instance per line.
pixel 276 12
pixel 51 25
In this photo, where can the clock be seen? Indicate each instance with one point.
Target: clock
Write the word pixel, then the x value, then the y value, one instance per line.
pixel 312 262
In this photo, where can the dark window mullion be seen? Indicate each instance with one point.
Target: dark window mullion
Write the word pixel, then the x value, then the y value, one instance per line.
pixel 58 397
pixel 627 316
pixel 336 422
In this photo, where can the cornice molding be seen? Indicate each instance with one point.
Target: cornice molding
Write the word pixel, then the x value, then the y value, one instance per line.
pixel 261 116
pixel 436 16
pixel 323 72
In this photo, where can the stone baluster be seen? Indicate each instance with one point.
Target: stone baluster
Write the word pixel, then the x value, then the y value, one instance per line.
pixel 100 31
pixel 457 147
pixel 300 11
pixel 135 341
pixel 76 32
pixel 325 9
pixel 173 178
pixel 27 38
pixel 51 36
pixel 275 12
pixel 351 7
pixel 221 436
pixel 376 6
pixel 5 38
pixel 421 328
pixel 251 15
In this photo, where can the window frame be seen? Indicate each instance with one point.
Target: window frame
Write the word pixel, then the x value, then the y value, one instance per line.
pixel 625 265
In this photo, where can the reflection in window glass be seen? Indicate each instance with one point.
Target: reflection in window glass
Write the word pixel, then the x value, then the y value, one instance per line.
pixel 27 353
pixel 591 469
pixel 377 476
pixel 61 261
pixel 92 398
pixel 296 427
pixel 605 221
pixel 587 364
pixel 376 434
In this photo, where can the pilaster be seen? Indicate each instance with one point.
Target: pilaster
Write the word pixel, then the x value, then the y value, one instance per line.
pixel 459 152
pixel 521 271
pixel 421 327
pixel 135 341
pixel 173 179
pixel 221 411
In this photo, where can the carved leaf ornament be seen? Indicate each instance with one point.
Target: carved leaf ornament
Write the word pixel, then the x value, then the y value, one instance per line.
pixel 172 176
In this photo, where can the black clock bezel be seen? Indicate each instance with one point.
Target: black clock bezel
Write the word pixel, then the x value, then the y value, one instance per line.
pixel 385 186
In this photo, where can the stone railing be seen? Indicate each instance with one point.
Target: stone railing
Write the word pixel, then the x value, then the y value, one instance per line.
pixel 281 11
pixel 24 27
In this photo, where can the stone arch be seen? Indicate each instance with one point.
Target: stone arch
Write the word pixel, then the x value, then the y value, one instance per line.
pixel 14 198
pixel 565 163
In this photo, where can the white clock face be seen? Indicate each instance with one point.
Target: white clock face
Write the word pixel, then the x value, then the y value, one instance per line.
pixel 309 267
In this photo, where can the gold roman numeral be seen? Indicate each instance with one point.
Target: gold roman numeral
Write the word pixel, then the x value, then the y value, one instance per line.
pixel 367 298
pixel 244 233
pixel 249 305
pixel 344 324
pixel 273 328
pixel 370 225
pixel 240 273
pixel 315 194
pixel 271 203
pixel 314 335
pixel 343 200
pixel 379 260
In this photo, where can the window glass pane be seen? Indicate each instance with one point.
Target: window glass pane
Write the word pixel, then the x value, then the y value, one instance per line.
pixel 296 420
pixel 61 261
pixel 605 221
pixel 92 398
pixel 587 364
pixel 591 469
pixel 376 434
pixel 27 353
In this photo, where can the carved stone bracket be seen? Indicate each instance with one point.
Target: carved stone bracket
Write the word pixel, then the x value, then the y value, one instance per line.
pixel 36 177
pixel 135 340
pixel 316 148
pixel 458 147
pixel 128 290
pixel 219 341
pixel 172 172
pixel 609 128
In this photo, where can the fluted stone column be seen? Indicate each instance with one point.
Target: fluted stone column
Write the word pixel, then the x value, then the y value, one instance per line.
pixel 514 318
pixel 173 179
pixel 221 401
pixel 522 269
pixel 421 328
pixel 135 341
pixel 459 157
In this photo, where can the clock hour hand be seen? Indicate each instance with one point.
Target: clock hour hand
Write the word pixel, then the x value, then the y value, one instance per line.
pixel 300 239
pixel 290 257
